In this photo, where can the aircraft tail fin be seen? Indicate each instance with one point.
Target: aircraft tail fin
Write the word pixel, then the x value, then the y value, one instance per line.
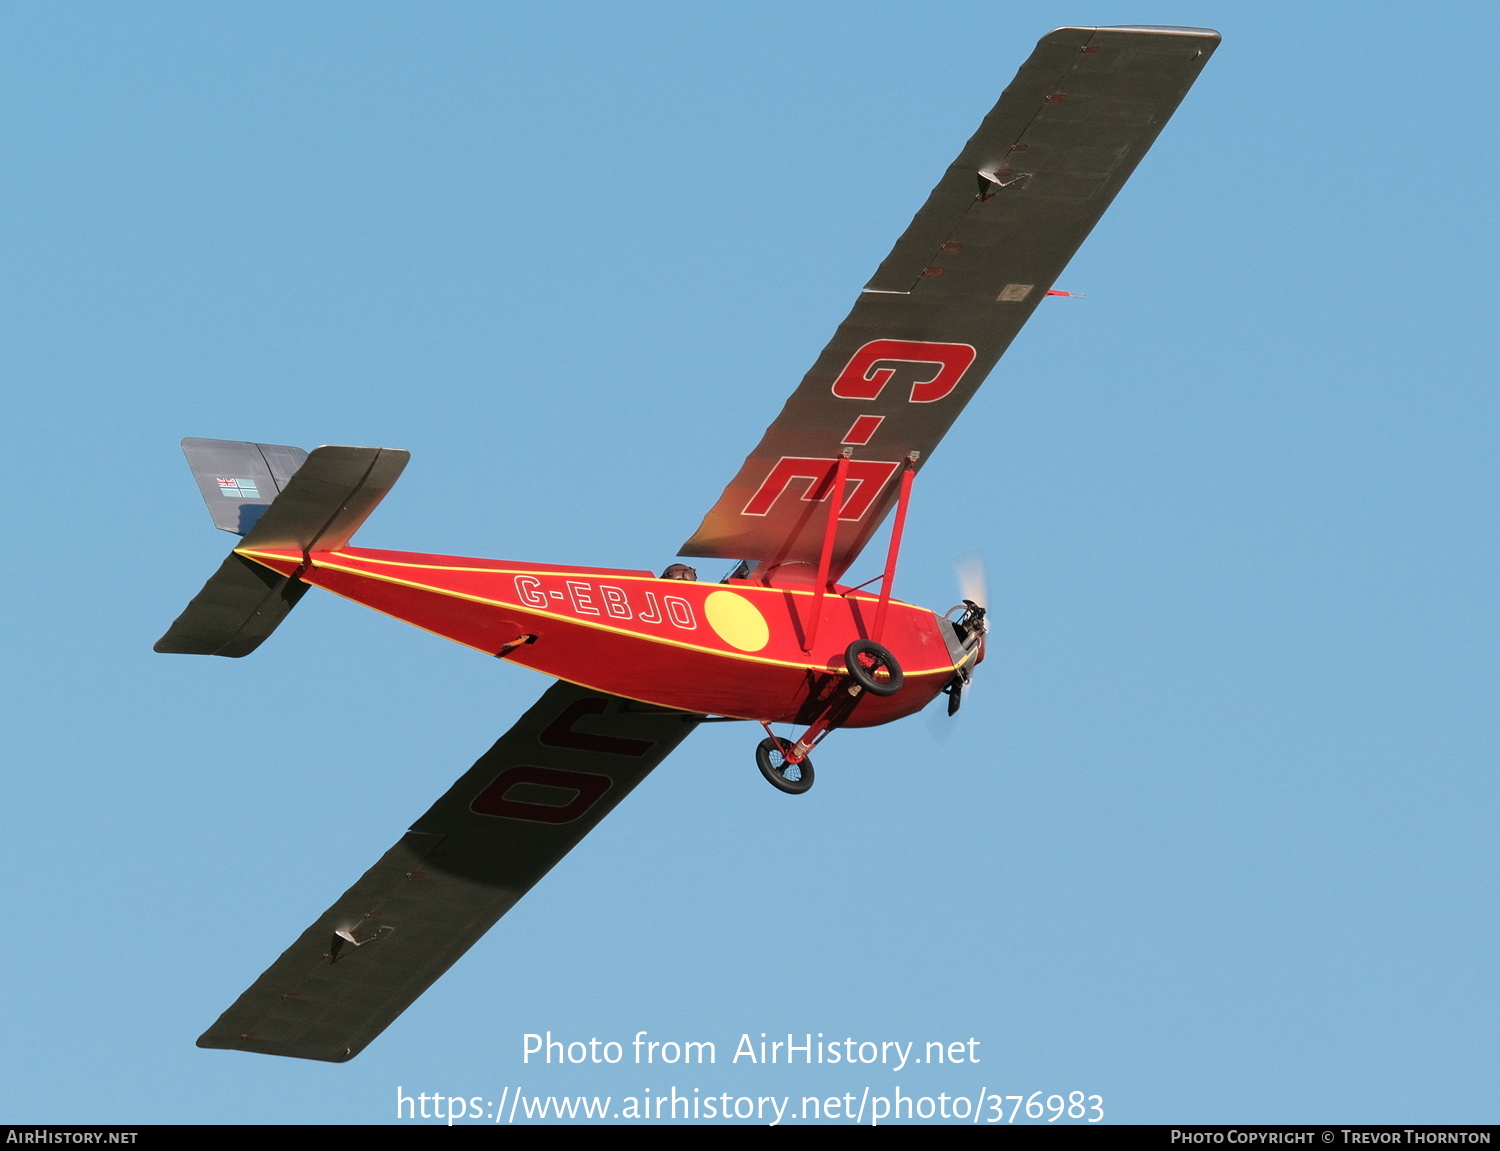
pixel 315 501
pixel 238 479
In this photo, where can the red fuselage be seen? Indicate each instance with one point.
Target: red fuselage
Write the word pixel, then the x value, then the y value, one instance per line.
pixel 731 649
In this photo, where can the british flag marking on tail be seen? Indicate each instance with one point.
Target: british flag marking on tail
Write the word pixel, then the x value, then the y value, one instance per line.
pixel 238 489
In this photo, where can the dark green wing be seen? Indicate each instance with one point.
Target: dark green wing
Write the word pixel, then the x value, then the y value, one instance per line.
pixel 498 830
pixel 980 255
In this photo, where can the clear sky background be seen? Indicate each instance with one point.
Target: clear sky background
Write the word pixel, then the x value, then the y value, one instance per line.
pixel 1214 837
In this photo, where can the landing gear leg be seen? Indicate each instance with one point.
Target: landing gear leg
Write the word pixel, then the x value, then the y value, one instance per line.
pixel 870 668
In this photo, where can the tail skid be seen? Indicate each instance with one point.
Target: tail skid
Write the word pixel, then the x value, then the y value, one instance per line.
pixel 321 505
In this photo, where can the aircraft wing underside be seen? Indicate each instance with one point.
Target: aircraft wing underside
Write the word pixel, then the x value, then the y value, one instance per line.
pixel 946 303
pixel 499 829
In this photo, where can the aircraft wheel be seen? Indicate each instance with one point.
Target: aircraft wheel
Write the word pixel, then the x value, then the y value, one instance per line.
pixel 792 778
pixel 873 667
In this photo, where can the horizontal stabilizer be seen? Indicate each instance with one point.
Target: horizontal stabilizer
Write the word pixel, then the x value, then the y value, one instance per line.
pixel 320 506
pixel 239 479
pixel 329 497
pixel 239 606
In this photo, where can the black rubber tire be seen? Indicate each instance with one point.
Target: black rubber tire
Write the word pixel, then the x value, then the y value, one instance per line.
pixel 773 765
pixel 865 657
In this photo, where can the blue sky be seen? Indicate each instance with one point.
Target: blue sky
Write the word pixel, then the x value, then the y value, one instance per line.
pixel 1214 836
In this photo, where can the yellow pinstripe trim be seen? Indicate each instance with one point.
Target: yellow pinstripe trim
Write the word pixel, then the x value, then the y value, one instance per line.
pixel 945 669
pixel 753 588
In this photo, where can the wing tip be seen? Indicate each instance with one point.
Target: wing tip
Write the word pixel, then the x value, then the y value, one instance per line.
pixel 1153 29
pixel 210 1041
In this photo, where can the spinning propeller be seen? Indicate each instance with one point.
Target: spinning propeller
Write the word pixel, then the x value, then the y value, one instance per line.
pixel 968 619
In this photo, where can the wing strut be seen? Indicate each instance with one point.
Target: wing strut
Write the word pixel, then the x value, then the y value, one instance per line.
pixel 835 505
pixel 894 551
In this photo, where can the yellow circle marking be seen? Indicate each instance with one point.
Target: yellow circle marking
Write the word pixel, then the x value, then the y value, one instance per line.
pixel 737 621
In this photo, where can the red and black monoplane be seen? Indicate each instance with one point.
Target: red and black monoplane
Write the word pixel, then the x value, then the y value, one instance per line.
pixel 641 659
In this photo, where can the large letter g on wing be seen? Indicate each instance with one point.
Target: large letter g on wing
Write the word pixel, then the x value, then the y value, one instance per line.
pixel 862 380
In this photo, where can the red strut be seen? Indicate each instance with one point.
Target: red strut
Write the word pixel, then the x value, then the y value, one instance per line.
pixel 895 548
pixel 835 505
